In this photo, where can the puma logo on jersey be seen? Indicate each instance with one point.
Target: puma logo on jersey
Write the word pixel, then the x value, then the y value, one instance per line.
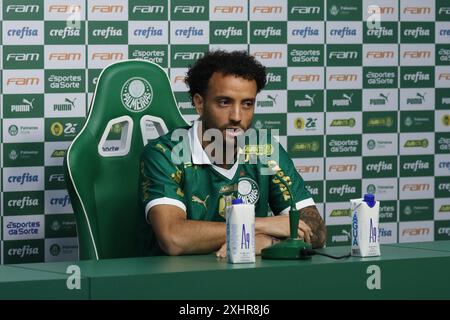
pixel 202 202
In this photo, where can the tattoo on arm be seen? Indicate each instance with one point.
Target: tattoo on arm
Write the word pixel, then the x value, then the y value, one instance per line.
pixel 312 218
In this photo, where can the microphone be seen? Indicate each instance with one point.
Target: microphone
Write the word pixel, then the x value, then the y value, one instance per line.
pixel 292 247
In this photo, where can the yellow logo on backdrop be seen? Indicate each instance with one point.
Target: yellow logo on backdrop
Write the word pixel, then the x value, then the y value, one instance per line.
pixel 56 129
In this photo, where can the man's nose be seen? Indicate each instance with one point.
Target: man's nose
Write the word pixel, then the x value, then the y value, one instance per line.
pixel 235 113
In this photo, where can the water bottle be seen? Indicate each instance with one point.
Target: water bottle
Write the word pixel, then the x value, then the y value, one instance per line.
pixel 364 226
pixel 240 225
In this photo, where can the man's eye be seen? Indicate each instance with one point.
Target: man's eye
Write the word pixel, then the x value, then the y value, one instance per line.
pixel 248 104
pixel 223 103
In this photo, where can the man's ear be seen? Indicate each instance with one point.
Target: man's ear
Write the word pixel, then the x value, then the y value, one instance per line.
pixel 199 104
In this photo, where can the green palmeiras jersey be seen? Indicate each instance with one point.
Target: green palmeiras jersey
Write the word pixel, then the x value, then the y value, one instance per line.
pixel 191 182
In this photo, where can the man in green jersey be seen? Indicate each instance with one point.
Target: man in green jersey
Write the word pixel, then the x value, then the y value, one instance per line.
pixel 185 193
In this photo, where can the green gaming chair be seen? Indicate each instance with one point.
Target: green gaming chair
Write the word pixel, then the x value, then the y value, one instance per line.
pixel 132 104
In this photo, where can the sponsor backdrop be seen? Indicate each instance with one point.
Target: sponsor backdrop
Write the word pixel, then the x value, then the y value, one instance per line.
pixel 359 94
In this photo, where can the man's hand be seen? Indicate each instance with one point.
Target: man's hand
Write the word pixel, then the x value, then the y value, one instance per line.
pixel 278 226
pixel 261 241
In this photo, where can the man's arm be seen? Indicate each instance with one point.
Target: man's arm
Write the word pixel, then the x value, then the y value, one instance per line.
pixel 177 235
pixel 310 215
pixel 311 226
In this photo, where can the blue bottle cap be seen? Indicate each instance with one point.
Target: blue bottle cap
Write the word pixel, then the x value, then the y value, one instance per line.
pixel 237 201
pixel 370 199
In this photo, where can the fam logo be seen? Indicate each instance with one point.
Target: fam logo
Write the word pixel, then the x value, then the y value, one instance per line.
pixel 22 8
pixel 248 190
pixel 228 10
pixel 64 56
pixel 136 94
pixel 61 8
pixel 147 9
pixel 22 81
pixel 107 56
pixel 107 9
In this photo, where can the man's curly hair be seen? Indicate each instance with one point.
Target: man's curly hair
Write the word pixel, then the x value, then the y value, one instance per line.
pixel 238 63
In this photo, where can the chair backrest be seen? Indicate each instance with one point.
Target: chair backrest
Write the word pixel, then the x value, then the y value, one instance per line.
pixel 133 103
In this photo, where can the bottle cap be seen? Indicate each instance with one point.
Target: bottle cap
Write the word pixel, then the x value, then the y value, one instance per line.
pixel 370 199
pixel 237 201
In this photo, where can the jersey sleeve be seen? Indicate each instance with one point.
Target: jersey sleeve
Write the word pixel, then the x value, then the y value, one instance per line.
pixel 279 197
pixel 160 178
